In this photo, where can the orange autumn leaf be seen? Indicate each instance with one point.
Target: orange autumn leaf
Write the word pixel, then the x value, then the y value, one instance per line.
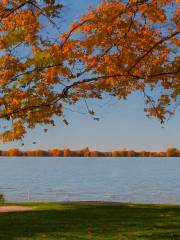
pixel 5 1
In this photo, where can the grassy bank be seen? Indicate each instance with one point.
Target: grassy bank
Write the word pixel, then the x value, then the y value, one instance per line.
pixel 97 222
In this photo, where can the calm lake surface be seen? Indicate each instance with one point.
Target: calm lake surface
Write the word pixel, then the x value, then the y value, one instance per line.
pixel 141 180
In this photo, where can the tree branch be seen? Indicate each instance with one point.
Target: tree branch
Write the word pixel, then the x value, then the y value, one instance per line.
pixel 152 48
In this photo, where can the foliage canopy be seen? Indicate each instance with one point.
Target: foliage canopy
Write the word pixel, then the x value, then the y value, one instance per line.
pixel 118 48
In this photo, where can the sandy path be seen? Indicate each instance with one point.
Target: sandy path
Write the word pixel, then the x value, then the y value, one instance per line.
pixel 4 209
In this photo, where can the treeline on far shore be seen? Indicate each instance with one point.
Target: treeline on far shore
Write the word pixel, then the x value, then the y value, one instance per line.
pixel 85 152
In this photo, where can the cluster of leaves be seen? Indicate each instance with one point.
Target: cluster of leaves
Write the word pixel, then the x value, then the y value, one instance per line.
pixel 26 75
pixel 133 46
pixel 117 48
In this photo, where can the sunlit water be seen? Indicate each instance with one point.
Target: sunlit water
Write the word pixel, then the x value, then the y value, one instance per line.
pixel 145 180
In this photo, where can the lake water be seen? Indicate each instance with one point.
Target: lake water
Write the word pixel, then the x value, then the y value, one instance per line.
pixel 141 180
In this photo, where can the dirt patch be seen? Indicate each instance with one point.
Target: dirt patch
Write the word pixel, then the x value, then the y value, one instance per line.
pixel 4 209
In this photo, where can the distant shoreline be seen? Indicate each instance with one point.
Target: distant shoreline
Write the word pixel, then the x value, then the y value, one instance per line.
pixel 88 203
pixel 85 152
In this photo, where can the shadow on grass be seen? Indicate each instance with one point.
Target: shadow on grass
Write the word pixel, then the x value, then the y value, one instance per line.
pixel 79 222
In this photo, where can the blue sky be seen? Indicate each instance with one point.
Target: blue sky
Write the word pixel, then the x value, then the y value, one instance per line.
pixel 122 124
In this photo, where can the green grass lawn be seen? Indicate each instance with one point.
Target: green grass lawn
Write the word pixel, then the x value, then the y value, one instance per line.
pixel 79 222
